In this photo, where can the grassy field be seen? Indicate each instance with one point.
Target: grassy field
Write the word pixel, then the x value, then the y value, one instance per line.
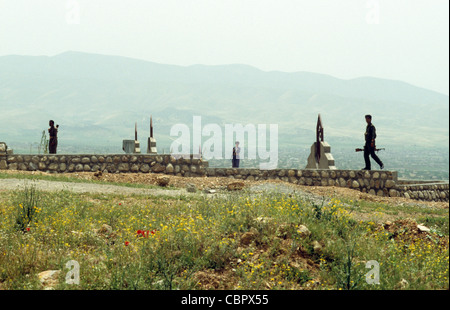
pixel 233 241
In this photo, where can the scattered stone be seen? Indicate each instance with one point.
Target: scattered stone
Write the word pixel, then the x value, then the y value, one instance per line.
pixel 162 181
pixel 387 224
pixel 191 188
pixel 209 191
pixel 423 228
pixel 303 231
pixel 403 284
pixel 49 278
pixel 317 247
pixel 233 186
pixel 247 238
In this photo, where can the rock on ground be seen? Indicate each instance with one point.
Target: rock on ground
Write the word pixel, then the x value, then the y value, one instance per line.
pixel 233 186
pixel 49 278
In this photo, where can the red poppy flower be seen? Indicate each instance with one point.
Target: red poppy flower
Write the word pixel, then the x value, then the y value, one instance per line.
pixel 127 243
pixel 28 228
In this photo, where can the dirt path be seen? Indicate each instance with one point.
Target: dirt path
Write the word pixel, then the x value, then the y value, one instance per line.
pixel 89 187
pixel 18 184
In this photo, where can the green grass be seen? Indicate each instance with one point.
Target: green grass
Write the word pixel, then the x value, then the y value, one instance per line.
pixel 197 243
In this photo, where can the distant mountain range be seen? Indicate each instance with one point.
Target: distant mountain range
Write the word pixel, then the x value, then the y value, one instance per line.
pixel 97 99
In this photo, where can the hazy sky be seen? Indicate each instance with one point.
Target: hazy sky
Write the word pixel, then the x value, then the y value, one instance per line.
pixel 404 40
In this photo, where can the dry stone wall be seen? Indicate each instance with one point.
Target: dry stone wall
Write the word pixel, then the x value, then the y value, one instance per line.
pixel 123 163
pixel 376 182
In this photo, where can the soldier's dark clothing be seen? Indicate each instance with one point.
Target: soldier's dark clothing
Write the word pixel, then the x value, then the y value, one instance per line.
pixel 369 147
pixel 235 160
pixel 53 142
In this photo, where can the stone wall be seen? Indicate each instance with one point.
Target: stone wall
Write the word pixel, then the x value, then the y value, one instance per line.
pixel 376 182
pixel 362 180
pixel 430 191
pixel 123 163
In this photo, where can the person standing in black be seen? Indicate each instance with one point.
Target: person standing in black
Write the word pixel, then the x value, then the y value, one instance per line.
pixel 369 147
pixel 236 151
pixel 53 133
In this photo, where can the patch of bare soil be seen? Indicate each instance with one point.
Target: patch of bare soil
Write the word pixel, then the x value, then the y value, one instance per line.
pixel 408 230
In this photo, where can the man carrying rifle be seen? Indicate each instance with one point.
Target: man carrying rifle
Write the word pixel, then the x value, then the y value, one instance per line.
pixel 369 147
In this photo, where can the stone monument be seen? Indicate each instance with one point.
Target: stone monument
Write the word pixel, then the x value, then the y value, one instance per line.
pixel 320 157
pixel 132 146
pixel 151 143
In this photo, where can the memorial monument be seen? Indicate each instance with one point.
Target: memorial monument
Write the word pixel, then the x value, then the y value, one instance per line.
pixel 151 143
pixel 132 146
pixel 320 157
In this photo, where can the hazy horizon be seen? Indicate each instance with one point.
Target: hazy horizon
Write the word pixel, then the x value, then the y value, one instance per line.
pixel 229 64
pixel 403 40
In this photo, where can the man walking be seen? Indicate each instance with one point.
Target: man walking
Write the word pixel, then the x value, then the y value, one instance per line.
pixel 369 147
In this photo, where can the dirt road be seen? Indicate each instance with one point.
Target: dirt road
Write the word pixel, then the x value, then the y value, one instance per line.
pixel 43 185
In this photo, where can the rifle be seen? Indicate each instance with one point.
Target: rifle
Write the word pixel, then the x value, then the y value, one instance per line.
pixel 376 150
